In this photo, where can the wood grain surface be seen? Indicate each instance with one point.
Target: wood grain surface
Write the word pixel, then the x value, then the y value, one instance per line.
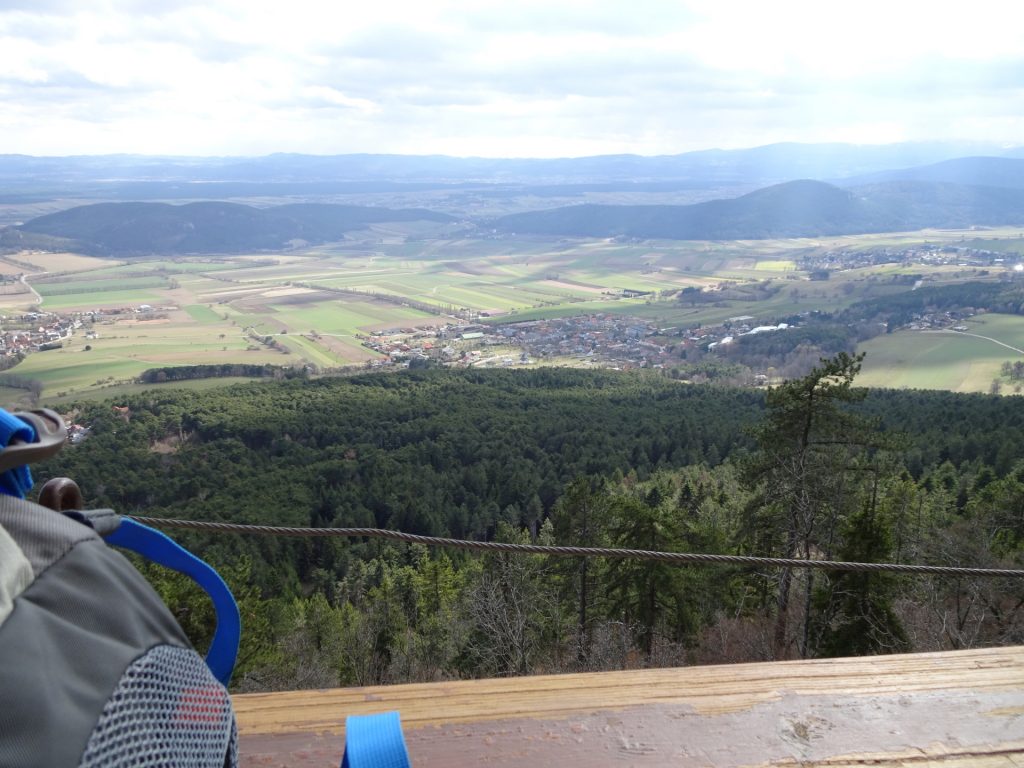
pixel 958 709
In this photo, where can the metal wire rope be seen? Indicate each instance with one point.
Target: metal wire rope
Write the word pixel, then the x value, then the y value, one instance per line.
pixel 679 558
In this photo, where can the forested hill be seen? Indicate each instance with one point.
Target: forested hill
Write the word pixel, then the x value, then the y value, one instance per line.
pixel 125 229
pixel 794 209
pixel 577 458
pixel 452 453
pixel 431 452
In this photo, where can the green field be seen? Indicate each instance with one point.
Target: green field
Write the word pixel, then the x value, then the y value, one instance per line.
pixel 1012 246
pixel 68 287
pixel 308 349
pixel 341 317
pixel 114 298
pixel 202 314
pixel 776 265
pixel 621 306
pixel 83 371
pixel 944 359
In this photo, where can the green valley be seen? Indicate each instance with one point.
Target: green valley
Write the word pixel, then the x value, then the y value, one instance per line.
pixel 378 300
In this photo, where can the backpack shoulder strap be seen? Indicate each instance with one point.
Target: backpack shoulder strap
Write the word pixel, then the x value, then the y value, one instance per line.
pixel 163 550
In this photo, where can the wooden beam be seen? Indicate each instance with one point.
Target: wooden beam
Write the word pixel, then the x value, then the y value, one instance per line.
pixel 961 708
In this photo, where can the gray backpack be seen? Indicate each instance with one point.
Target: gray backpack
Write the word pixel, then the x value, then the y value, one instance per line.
pixel 94 669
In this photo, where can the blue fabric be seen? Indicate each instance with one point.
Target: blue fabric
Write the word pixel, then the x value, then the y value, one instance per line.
pixel 162 549
pixel 16 481
pixel 374 741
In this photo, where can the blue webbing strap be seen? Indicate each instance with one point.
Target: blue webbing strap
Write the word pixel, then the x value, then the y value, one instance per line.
pixel 16 481
pixel 374 741
pixel 163 550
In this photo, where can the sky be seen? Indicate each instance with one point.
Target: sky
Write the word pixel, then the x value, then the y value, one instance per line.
pixel 511 78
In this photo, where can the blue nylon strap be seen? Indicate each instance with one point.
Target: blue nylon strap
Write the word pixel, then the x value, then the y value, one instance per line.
pixel 16 481
pixel 374 741
pixel 163 550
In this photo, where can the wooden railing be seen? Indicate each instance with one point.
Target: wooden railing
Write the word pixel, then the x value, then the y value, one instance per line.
pixel 963 709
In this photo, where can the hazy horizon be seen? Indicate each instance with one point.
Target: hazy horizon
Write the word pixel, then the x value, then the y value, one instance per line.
pixel 980 146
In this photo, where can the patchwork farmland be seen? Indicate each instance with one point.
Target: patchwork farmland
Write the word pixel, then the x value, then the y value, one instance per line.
pixel 318 307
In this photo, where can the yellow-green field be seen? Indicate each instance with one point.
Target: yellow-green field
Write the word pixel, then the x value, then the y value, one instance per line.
pixel 775 265
pixel 63 262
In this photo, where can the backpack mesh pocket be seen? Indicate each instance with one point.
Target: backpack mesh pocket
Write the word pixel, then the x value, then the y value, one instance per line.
pixel 167 711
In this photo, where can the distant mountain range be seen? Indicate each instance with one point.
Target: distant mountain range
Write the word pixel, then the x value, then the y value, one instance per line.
pixel 143 177
pixel 793 209
pixel 974 171
pixel 119 229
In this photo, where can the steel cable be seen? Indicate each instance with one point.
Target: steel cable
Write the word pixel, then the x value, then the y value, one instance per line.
pixel 679 558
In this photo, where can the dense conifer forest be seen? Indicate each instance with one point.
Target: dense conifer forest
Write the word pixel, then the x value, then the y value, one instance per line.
pixel 817 468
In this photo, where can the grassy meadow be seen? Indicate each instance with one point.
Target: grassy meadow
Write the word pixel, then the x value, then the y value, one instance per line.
pixel 958 362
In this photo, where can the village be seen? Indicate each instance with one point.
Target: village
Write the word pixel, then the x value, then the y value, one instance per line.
pixel 35 332
pixel 31 332
pixel 598 339
pixel 21 334
pixel 931 255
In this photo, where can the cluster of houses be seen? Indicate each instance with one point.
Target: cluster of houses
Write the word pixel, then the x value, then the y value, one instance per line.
pixel 605 339
pixel 35 332
pixel 599 336
pixel 941 321
pixel 934 255
pixel 602 339
pixel 402 343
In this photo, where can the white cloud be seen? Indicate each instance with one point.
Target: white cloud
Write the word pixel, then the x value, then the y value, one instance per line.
pixel 499 79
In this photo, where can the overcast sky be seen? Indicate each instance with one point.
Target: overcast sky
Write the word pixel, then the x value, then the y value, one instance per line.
pixel 514 78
